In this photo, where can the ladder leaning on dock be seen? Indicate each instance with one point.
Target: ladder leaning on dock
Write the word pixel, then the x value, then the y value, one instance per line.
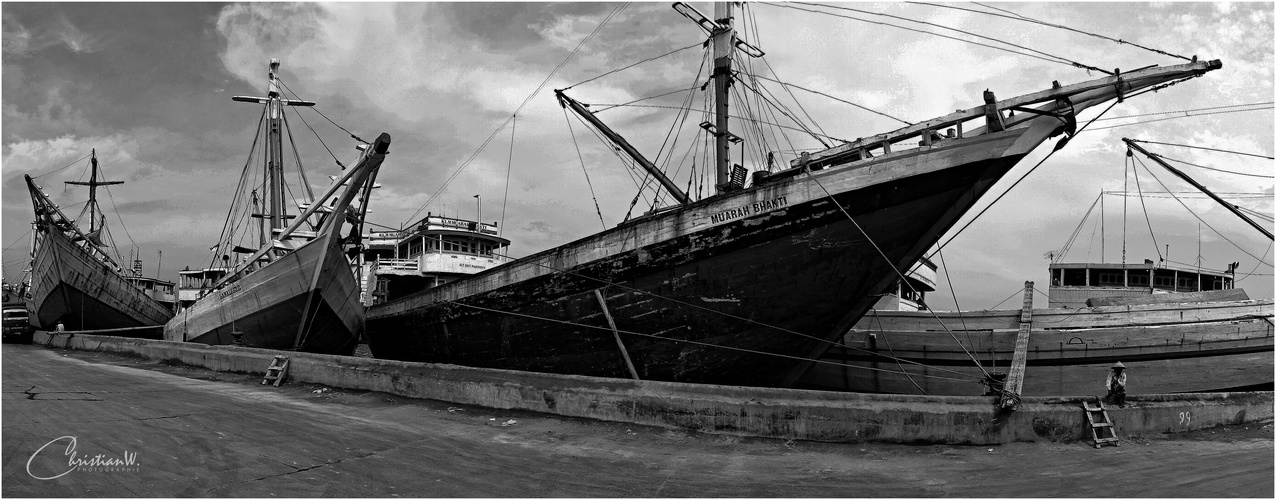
pixel 1098 419
pixel 277 370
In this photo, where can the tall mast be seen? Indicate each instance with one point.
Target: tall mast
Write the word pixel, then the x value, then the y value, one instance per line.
pixel 274 144
pixel 722 39
pixel 93 184
pixel 721 32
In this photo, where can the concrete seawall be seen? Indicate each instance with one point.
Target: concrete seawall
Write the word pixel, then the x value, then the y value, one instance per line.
pixel 746 411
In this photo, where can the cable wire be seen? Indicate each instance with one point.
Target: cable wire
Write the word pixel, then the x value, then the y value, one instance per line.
pixel 1017 17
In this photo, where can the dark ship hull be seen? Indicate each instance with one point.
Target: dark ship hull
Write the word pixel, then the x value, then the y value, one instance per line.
pixel 745 288
pixel 71 287
pixel 764 277
pixel 269 306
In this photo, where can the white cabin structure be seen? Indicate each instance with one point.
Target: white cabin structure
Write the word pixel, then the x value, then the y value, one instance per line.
pixel 436 250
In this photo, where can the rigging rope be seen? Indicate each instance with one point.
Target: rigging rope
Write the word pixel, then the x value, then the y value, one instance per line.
pixel 1056 60
pixel 1217 169
pixel 784 111
pixel 956 304
pixel 634 64
pixel 791 96
pixel 1139 115
pixel 833 98
pixel 582 169
pixel 1025 176
pixel 227 228
pixel 630 103
pixel 1260 262
pixel 886 339
pixel 64 167
pixel 712 311
pixel 509 168
pixel 310 194
pixel 1017 17
pixel 116 209
pixel 707 344
pixel 1138 185
pixel 902 278
pixel 1176 117
pixel 316 108
pixel 1205 148
pixel 927 23
pixel 1221 235
pixel 772 123
pixel 517 110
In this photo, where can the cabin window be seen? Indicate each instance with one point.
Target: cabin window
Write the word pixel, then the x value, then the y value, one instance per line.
pixel 448 246
pixel 1073 277
pixel 1138 279
pixel 1110 278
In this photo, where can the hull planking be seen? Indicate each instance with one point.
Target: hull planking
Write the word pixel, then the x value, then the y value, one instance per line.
pixel 1168 348
pixel 269 304
pixel 71 287
pixel 741 301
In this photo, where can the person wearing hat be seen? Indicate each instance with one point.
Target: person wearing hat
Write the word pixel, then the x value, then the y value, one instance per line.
pixel 1116 384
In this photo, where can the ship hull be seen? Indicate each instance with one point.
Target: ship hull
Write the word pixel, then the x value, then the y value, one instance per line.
pixel 269 306
pixel 70 287
pixel 1167 348
pixel 745 299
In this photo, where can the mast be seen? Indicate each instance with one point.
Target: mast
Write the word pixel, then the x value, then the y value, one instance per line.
pixel 1230 207
pixel 274 145
pixel 722 39
pixel 93 184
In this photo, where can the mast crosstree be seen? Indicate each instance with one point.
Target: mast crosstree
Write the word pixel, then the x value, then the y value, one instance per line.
pixel 93 183
pixel 274 146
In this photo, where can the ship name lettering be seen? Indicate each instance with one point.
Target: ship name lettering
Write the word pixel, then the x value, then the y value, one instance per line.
pixel 226 292
pixel 747 210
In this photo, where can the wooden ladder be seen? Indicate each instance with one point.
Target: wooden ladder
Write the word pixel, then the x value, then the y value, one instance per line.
pixel 277 371
pixel 1099 420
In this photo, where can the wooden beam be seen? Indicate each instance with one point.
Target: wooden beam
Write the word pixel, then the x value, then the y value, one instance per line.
pixel 1014 380
pixel 1130 81
pixel 623 352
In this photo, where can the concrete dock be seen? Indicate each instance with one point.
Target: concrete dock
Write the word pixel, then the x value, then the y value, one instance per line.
pixel 195 432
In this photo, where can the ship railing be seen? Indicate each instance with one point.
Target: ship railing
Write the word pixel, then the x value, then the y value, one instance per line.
pixel 399 264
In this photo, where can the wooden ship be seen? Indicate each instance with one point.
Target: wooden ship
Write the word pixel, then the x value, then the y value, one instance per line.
pixel 294 288
pixel 1181 329
pixel 1177 329
pixel 751 285
pixel 75 280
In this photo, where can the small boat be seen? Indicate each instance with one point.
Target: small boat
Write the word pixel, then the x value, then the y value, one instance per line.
pixel 75 279
pixel 295 289
pixel 750 285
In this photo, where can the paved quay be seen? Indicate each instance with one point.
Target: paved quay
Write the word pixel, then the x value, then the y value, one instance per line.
pixel 194 432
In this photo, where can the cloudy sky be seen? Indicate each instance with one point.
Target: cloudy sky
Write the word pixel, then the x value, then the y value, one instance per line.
pixel 149 85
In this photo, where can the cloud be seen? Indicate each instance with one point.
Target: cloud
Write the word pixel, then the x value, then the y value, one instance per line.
pixel 57 30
